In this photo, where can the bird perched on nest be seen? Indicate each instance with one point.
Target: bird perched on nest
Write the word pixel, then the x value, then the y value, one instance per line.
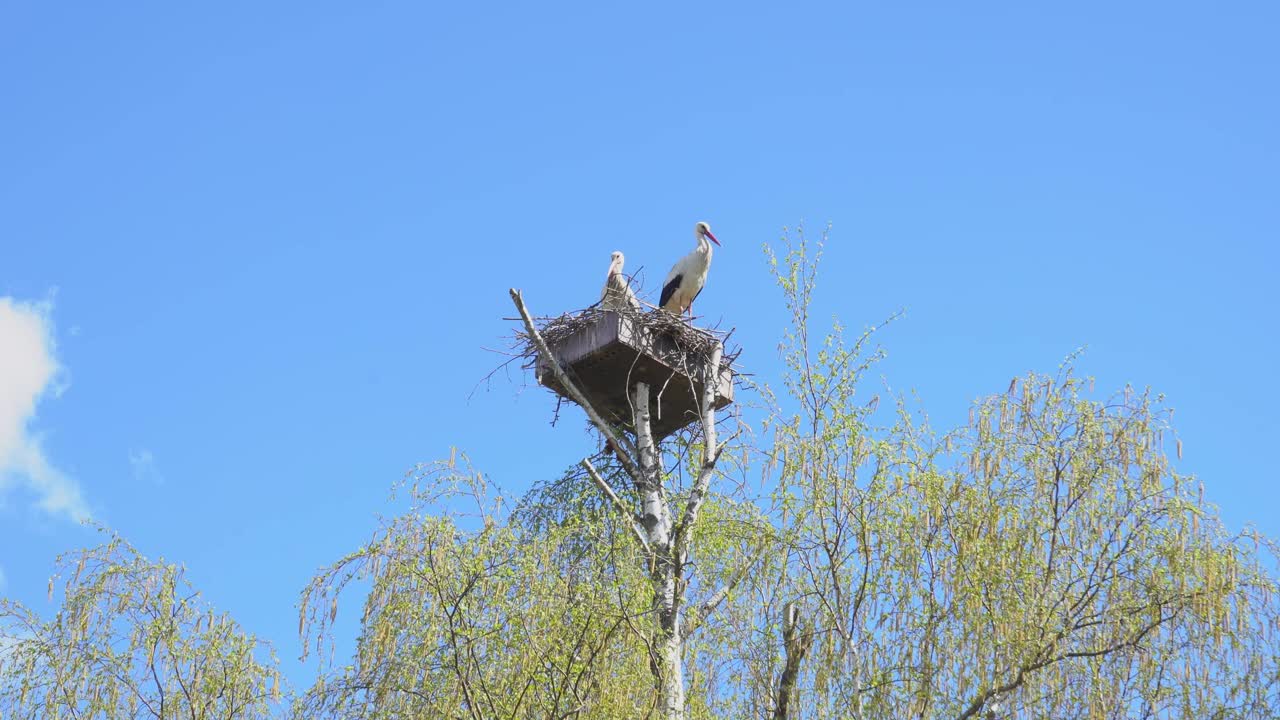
pixel 617 293
pixel 686 279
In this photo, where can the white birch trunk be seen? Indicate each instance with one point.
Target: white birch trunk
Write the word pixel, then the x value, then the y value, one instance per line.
pixel 666 571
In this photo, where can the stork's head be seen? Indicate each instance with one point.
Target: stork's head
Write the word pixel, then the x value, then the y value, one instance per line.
pixel 702 230
pixel 615 262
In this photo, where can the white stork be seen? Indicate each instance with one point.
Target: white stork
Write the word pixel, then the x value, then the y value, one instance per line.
pixel 617 293
pixel 686 279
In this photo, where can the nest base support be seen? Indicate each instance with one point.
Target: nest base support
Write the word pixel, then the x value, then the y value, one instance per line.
pixel 611 352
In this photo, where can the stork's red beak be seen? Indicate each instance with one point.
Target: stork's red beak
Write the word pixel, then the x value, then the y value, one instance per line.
pixel 713 237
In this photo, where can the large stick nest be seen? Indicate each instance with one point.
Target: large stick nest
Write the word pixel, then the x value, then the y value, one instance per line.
pixel 655 322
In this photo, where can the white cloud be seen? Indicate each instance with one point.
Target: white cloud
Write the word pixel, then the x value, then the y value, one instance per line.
pixel 144 466
pixel 28 371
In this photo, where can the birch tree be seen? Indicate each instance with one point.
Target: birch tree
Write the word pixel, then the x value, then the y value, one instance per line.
pixel 1044 559
pixel 132 639
pixel 471 615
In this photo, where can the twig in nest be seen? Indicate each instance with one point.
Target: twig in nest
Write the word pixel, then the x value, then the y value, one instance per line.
pixel 655 322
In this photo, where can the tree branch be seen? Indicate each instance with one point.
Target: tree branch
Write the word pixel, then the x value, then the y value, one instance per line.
pixel 618 505
pixel 796 644
pixel 710 452
pixel 709 605
pixel 578 397
pixel 980 701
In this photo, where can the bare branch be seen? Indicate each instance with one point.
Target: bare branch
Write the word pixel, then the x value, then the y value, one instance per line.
pixel 605 428
pixel 709 605
pixel 710 451
pixel 627 515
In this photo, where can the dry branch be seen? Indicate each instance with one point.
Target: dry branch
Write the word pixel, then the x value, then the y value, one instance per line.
pixel 618 505
pixel 710 454
pixel 538 342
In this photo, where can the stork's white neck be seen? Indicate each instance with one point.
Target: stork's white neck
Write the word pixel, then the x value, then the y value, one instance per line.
pixel 704 245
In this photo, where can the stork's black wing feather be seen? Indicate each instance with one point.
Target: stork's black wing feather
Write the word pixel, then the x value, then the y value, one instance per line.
pixel 668 290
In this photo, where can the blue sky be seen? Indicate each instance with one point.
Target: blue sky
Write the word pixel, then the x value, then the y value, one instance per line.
pixel 251 256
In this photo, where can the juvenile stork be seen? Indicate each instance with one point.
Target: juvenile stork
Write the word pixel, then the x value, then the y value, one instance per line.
pixel 617 293
pixel 686 279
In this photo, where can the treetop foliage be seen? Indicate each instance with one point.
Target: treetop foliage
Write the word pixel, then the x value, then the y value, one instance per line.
pixel 1045 559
